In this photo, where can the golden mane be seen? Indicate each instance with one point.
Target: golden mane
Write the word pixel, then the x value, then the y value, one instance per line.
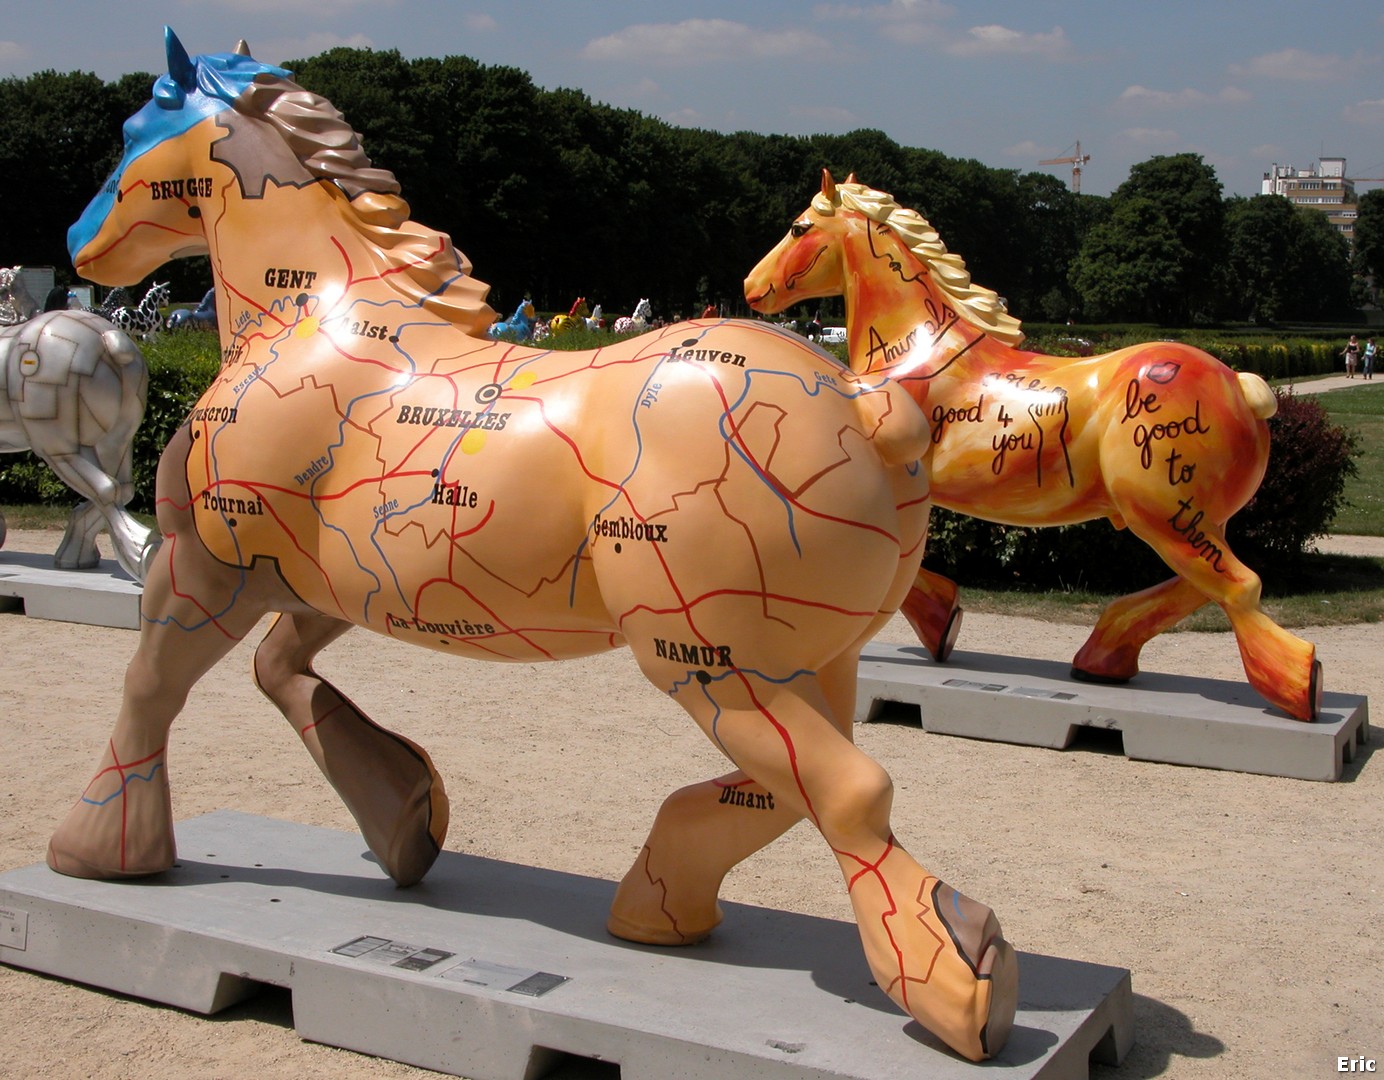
pixel 419 262
pixel 975 303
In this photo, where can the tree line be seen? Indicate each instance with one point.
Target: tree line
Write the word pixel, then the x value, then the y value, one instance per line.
pixel 553 196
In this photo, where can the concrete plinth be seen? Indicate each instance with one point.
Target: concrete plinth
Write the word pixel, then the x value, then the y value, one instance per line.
pixel 500 972
pixel 103 596
pixel 1181 720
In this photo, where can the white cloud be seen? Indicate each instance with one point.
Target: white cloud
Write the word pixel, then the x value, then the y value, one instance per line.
pixel 895 11
pixel 1297 65
pixel 308 45
pixel 1001 41
pixel 477 22
pixel 694 41
pixel 1366 112
pixel 1182 99
pixel 1150 137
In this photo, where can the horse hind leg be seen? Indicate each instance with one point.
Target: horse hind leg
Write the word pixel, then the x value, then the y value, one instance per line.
pixel 387 782
pixel 940 956
pixel 1283 668
pixel 1111 653
pixel 103 507
pixel 701 832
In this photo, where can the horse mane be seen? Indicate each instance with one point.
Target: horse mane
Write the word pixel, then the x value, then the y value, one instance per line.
pixel 975 303
pixel 419 262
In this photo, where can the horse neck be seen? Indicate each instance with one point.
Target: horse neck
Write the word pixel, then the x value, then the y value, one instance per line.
pixel 899 322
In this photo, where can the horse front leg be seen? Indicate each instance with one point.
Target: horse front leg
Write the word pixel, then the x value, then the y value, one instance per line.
pixel 933 609
pixel 387 782
pixel 122 825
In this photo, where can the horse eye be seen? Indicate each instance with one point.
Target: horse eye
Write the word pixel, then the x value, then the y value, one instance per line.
pixel 800 229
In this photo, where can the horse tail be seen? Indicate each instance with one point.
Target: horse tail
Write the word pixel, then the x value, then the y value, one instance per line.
pixel 1258 395
pixel 895 424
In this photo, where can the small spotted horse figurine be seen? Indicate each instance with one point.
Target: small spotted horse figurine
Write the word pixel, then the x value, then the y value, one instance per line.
pixel 145 319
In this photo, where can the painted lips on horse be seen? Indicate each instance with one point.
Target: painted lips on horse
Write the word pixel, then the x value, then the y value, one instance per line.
pixel 731 505
pixel 1161 438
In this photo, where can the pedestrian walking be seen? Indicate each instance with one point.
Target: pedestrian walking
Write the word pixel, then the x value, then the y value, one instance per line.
pixel 1367 358
pixel 1352 355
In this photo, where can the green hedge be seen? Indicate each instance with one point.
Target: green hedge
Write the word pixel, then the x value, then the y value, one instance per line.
pixel 181 366
pixel 1283 355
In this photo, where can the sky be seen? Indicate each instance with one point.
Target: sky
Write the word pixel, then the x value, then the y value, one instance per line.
pixel 1011 84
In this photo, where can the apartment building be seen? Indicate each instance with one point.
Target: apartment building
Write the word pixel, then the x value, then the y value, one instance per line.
pixel 1324 187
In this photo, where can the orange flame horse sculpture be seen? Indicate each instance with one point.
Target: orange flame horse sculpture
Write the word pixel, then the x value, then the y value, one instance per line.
pixel 1161 438
pixel 721 498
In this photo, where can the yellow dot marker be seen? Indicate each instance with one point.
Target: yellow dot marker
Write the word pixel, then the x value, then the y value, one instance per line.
pixel 307 327
pixel 472 441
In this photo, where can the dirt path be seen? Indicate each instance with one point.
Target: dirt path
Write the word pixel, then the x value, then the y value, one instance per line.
pixel 1248 908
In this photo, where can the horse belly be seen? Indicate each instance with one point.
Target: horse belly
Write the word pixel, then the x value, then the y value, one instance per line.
pixel 1031 476
pixel 464 535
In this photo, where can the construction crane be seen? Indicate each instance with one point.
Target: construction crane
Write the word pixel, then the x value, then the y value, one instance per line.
pixel 1076 161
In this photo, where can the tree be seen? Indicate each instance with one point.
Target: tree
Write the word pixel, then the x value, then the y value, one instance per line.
pixel 1369 236
pixel 1173 279
pixel 1129 267
pixel 59 140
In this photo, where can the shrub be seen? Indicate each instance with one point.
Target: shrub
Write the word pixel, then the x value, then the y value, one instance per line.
pixel 1310 459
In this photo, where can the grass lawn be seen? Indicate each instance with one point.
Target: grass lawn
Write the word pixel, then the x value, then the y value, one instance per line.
pixel 1362 409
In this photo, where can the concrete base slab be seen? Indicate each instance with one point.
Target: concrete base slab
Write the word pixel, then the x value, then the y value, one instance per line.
pixel 502 972
pixel 1213 723
pixel 103 596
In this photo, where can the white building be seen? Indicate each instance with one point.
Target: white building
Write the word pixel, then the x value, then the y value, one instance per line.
pixel 1324 187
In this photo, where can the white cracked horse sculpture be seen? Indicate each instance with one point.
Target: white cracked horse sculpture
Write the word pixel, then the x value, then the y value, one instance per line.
pixel 72 390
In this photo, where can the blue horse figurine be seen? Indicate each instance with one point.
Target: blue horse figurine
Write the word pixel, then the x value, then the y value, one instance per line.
pixel 518 327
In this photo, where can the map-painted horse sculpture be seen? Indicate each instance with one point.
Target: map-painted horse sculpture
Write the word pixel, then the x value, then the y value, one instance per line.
pixel 736 508
pixel 1161 438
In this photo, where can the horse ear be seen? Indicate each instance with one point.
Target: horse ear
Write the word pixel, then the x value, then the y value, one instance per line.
pixel 241 48
pixel 851 179
pixel 179 63
pixel 828 185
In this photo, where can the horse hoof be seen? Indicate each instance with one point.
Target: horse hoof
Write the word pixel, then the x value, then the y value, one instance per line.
pixel 948 641
pixel 70 865
pixel 667 935
pixel 1102 680
pixel 1001 963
